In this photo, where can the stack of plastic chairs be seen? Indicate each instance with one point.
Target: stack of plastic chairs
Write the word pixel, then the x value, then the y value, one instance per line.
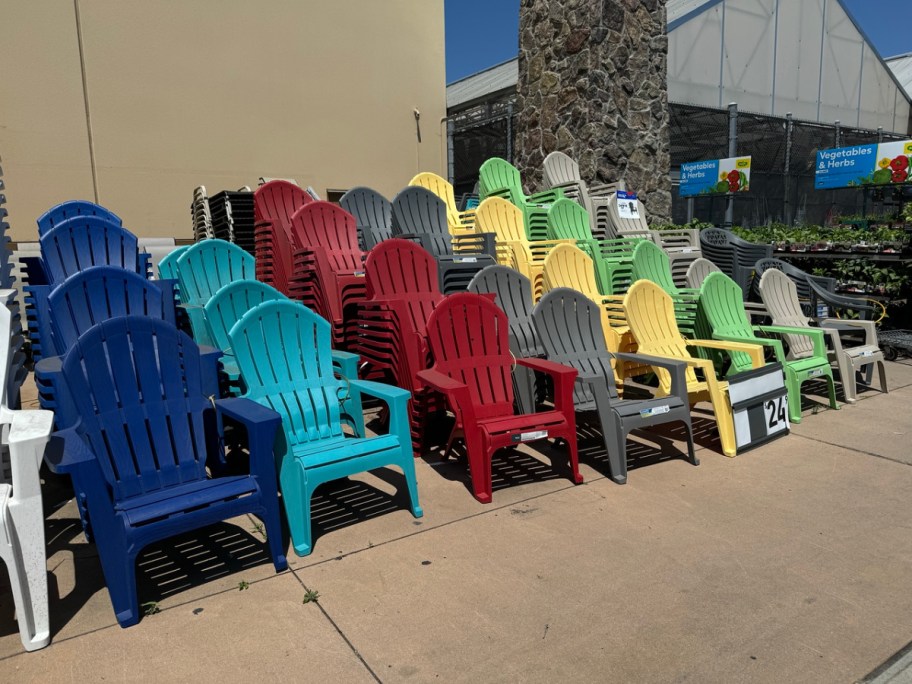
pixel 697 272
pixel 201 214
pixel 513 247
pixel 11 299
pixel 328 265
pixel 563 173
pixel 420 215
pixel 373 215
pixel 612 259
pixel 459 222
pixel 652 263
pixel 24 435
pixel 202 270
pixel 499 178
pixel 402 291
pixel 233 218
pixel 275 202
pixel 513 294
pixel 72 245
pixel 569 266
pixel 734 256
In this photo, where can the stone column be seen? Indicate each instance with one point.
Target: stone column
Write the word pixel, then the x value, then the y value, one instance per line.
pixel 593 84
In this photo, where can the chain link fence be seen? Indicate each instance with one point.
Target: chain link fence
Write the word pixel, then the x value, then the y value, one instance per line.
pixel 783 151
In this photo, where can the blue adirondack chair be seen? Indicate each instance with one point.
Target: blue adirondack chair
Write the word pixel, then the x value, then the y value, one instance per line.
pixel 78 303
pixel 32 267
pixel 67 210
pixel 72 246
pixel 140 449
pixel 283 352
pixel 202 271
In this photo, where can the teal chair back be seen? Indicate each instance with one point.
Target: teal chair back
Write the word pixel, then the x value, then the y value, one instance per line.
pixel 228 306
pixel 167 267
pixel 208 266
pixel 283 352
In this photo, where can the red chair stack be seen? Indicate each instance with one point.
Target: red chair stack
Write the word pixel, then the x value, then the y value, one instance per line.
pixel 274 204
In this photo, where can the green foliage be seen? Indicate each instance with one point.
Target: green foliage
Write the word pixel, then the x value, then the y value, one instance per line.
pixel 150 608
pixel 311 596
pixel 242 585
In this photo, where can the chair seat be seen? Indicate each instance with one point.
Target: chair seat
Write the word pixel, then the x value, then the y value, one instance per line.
pixel 804 365
pixel 183 498
pixel 531 422
pixel 338 449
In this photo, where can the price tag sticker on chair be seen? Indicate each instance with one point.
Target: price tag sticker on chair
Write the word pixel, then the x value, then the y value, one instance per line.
pixel 655 411
pixel 530 436
pixel 466 260
pixel 628 207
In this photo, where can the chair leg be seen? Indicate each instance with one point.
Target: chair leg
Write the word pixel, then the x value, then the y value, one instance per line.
pixel 119 568
pixel 831 387
pixel 479 468
pixel 793 386
pixel 28 579
pixel 272 521
pixel 296 499
pixel 575 476
pixel 726 426
pixel 411 481
pixel 691 452
pixel 617 457
pixel 847 377
pixel 882 372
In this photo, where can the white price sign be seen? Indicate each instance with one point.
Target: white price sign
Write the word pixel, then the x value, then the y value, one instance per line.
pixel 628 206
pixel 775 411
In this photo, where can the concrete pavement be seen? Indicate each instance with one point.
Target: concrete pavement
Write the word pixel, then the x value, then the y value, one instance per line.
pixel 791 562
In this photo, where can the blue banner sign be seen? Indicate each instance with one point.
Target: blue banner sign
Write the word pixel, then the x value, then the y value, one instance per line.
pixel 847 167
pixel 715 176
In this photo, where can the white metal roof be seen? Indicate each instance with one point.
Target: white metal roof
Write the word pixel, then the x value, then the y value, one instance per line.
pixel 498 77
pixel 901 66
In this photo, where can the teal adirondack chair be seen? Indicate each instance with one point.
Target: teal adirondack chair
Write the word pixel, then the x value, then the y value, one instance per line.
pixel 203 270
pixel 283 352
pixel 722 301
pixel 167 267
pixel 499 178
pixel 612 259
pixel 229 305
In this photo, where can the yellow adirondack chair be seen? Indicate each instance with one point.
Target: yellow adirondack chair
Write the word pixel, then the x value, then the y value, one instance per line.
pixel 504 219
pixel 651 317
pixel 568 266
pixel 459 222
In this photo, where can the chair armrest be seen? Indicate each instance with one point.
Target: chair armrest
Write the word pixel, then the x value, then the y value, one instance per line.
pixel 815 334
pixel 67 451
pixel 457 393
pixel 262 424
pixel 388 393
pixel 346 362
pixel 869 327
pixel 564 378
pixel 755 351
pixel 677 368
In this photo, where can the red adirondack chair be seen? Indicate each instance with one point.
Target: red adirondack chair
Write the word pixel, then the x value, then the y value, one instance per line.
pixel 402 291
pixel 469 339
pixel 274 203
pixel 328 264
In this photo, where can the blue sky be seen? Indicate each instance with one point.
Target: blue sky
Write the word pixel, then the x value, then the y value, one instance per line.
pixel 482 33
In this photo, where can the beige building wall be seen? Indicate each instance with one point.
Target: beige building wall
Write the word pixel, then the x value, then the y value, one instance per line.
pixel 214 92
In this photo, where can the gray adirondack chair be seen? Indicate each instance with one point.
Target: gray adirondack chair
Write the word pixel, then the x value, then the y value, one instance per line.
pixel 569 326
pixel 514 295
pixel 420 215
pixel 780 295
pixel 734 257
pixel 697 272
pixel 561 171
pixel 373 214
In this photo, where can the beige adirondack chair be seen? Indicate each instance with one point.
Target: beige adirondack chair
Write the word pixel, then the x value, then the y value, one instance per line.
pixel 780 296
pixel 561 171
pixel 698 270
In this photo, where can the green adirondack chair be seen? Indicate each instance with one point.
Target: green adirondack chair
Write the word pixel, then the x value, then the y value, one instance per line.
pixel 229 305
pixel 202 271
pixel 650 262
pixel 722 301
pixel 283 352
pixel 612 259
pixel 499 178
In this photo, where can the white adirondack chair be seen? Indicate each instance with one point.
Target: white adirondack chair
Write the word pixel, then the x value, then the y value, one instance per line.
pixel 23 435
pixel 780 296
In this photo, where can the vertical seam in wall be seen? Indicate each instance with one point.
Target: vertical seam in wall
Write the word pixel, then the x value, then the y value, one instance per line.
pixel 823 34
pixel 860 81
pixel 722 56
pixel 85 98
pixel 775 59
